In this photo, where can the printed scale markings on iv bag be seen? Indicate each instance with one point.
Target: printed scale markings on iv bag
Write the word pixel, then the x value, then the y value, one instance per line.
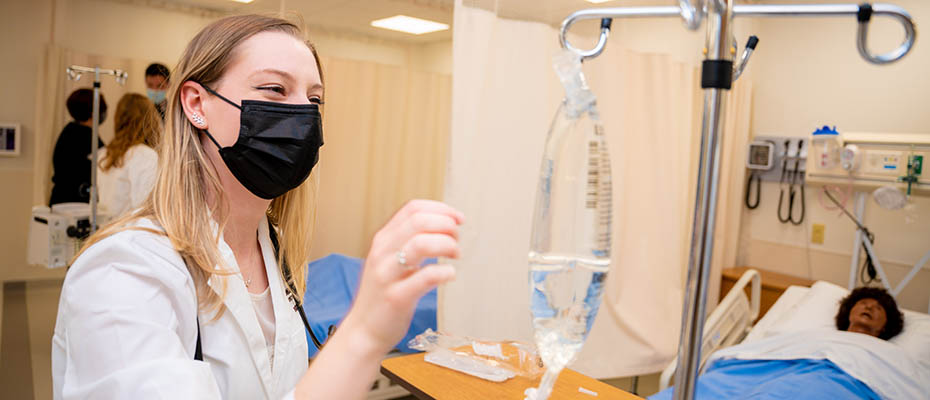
pixel 596 196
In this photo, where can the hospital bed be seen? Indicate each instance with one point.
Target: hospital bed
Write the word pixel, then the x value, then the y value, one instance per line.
pixel 729 323
pixel 806 313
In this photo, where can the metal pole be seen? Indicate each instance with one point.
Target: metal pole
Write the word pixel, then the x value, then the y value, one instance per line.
pixel 910 275
pixel 93 158
pixel 716 78
pixel 857 243
pixel 74 73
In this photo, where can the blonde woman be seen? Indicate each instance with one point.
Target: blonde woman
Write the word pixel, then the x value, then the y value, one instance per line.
pixel 126 170
pixel 196 274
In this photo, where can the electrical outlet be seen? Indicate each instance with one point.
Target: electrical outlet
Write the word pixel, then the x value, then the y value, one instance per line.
pixel 817 233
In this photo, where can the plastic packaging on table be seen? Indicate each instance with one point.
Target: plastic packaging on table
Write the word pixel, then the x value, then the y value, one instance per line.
pixel 493 361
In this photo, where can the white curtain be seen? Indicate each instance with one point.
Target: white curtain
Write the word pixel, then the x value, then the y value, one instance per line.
pixel 504 96
pixel 385 130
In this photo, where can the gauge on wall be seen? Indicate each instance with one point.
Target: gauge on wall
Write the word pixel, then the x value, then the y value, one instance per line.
pixel 849 157
pixel 761 155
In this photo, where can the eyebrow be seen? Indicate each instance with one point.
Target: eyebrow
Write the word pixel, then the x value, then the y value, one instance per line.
pixel 284 74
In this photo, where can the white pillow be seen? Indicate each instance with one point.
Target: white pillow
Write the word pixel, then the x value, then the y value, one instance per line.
pixel 779 311
pixel 817 310
pixel 915 337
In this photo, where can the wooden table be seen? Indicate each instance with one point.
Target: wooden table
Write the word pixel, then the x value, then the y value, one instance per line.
pixel 428 381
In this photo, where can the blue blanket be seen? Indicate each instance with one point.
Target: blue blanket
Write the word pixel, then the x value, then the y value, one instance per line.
pixel 776 379
pixel 332 283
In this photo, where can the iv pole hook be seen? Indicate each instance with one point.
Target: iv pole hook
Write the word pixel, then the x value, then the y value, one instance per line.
pixel 865 15
pixel 692 13
pixel 863 12
pixel 586 54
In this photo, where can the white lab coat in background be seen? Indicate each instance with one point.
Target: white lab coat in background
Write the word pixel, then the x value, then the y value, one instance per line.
pixel 124 188
pixel 127 327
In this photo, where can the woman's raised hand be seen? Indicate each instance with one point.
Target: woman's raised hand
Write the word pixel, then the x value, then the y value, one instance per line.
pixel 392 280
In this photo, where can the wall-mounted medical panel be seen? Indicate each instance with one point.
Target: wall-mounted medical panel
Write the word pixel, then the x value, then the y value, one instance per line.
pixel 871 160
pixel 787 157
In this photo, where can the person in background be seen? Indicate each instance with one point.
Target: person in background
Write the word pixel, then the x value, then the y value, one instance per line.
pixel 872 311
pixel 126 170
pixel 156 85
pixel 71 159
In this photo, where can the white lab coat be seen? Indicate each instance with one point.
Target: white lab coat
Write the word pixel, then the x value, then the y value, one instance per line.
pixel 127 327
pixel 124 188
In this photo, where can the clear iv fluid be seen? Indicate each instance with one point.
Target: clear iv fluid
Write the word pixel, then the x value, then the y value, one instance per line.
pixel 566 297
pixel 570 245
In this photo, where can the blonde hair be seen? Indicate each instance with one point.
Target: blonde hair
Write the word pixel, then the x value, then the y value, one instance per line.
pixel 136 122
pixel 178 202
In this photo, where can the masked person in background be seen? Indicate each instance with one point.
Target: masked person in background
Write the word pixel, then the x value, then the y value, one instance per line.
pixel 156 85
pixel 193 296
pixel 126 167
pixel 71 160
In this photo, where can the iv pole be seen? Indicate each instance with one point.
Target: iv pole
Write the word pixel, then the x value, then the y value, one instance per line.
pixel 74 73
pixel 717 76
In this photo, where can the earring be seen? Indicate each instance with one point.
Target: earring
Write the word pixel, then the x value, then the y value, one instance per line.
pixel 198 120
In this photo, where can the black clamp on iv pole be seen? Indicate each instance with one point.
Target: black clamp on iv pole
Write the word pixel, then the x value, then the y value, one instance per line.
pixel 716 80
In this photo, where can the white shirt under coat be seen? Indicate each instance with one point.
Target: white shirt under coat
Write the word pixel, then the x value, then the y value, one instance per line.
pixel 124 188
pixel 127 327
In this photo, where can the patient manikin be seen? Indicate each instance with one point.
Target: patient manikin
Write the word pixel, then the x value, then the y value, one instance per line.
pixel 816 363
pixel 871 311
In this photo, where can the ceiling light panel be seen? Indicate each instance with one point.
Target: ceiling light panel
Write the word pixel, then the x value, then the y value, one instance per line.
pixel 403 23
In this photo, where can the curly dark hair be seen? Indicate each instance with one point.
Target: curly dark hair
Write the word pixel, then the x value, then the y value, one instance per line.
pixel 81 105
pixel 894 319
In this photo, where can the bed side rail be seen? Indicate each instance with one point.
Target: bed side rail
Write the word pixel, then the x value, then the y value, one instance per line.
pixel 728 324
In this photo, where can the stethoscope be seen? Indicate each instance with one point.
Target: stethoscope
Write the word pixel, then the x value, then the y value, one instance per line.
pixel 753 176
pixel 303 315
pixel 292 294
pixel 788 180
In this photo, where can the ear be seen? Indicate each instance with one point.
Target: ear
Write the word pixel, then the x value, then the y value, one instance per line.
pixel 192 96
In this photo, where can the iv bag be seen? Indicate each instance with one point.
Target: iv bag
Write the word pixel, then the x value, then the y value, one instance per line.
pixel 571 237
pixel 573 199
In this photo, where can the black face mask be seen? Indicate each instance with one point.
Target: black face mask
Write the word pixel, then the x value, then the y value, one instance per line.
pixel 278 145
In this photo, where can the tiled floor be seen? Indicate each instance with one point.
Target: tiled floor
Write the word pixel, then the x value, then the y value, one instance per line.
pixel 15 349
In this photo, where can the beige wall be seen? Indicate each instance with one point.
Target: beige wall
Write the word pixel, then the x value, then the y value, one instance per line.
pixel 25 27
pixel 808 73
pixel 123 30
pixel 432 57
